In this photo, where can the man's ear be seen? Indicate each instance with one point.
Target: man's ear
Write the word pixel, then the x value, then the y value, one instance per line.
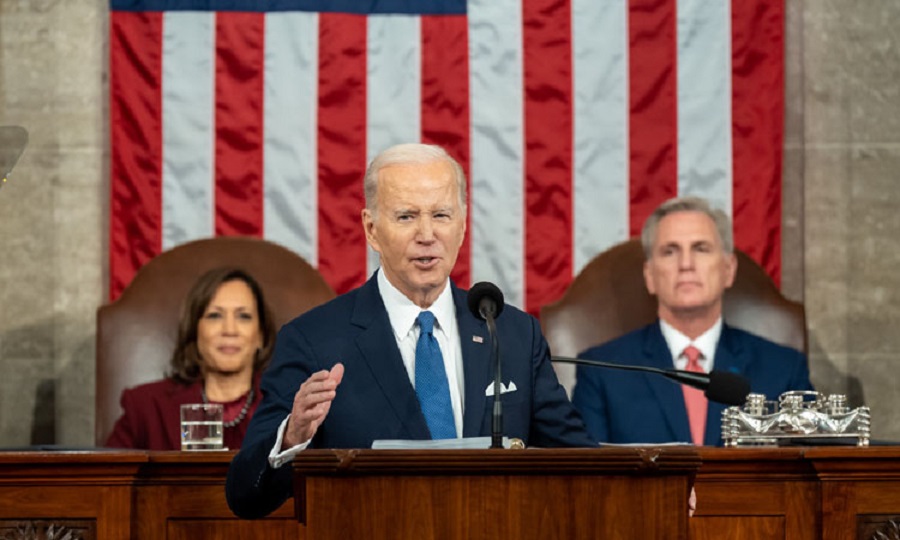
pixel 648 278
pixel 731 263
pixel 368 223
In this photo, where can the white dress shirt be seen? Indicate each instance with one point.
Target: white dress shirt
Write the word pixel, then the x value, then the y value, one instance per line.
pixel 706 343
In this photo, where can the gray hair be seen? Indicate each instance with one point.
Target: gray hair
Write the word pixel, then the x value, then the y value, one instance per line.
pixel 411 153
pixel 687 204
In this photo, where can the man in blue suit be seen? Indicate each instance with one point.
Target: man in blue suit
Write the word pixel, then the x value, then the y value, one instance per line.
pixel 689 262
pixel 353 370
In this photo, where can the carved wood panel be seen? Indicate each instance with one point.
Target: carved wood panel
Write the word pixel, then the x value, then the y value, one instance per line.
pixel 47 529
pixel 878 527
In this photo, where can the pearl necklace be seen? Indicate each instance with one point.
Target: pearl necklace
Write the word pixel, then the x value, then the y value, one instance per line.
pixel 241 415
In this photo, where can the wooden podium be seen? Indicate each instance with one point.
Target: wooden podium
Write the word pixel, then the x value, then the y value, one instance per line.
pixel 526 494
pixel 835 493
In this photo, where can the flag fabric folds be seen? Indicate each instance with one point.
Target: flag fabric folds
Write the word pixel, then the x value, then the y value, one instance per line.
pixel 572 118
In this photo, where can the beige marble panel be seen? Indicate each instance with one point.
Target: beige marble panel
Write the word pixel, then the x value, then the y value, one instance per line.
pixel 874 249
pixel 52 81
pixel 877 374
pixel 27 280
pixel 852 230
pixel 27 412
pixel 827 267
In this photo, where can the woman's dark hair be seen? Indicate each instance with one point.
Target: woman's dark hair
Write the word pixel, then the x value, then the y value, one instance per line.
pixel 186 365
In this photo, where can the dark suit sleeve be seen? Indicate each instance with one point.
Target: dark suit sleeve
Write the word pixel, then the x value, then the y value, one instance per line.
pixel 589 399
pixel 555 422
pixel 799 378
pixel 253 488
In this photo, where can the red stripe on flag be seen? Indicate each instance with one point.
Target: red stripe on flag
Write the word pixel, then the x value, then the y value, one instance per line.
pixel 240 44
pixel 445 103
pixel 548 151
pixel 342 149
pixel 136 134
pixel 653 127
pixel 758 129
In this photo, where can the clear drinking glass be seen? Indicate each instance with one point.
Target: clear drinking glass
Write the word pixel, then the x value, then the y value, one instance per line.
pixel 202 426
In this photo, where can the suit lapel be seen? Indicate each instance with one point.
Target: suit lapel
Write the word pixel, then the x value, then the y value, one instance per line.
pixel 477 369
pixel 730 357
pixel 379 352
pixel 668 394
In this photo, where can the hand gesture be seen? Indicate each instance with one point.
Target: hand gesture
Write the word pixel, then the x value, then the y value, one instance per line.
pixel 311 405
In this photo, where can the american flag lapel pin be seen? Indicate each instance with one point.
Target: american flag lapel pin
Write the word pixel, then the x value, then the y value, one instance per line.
pixel 478 339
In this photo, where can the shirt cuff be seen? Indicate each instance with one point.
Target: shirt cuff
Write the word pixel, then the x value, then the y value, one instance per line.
pixel 276 458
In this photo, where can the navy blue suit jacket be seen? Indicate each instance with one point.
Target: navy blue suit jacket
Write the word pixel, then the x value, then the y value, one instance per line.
pixel 376 399
pixel 633 407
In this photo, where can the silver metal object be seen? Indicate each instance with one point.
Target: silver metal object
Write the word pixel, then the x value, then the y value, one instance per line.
pixel 797 417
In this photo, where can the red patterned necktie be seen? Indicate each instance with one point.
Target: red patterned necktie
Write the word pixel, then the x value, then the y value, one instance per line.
pixel 694 399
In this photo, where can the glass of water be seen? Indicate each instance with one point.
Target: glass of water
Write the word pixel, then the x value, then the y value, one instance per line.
pixel 201 426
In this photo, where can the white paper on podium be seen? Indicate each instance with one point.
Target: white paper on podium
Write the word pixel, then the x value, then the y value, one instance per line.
pixel 466 443
pixel 632 445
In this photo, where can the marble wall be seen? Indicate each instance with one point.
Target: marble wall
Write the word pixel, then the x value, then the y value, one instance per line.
pixel 841 229
pixel 851 153
pixel 52 218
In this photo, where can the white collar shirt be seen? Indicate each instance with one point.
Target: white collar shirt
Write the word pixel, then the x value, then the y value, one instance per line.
pixel 706 343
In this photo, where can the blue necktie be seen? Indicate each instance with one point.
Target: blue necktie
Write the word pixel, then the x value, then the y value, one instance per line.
pixel 432 388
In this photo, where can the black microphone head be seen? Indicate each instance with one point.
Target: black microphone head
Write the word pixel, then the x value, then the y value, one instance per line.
pixel 485 297
pixel 727 388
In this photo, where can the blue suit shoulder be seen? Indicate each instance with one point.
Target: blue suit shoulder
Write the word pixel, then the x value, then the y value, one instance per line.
pixel 326 321
pixel 622 349
pixel 772 368
pixel 761 344
pixel 340 305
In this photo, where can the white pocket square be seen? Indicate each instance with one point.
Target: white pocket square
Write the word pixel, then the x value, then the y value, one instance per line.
pixel 489 391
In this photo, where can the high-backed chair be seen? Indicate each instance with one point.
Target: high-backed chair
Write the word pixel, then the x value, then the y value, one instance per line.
pixel 608 298
pixel 136 333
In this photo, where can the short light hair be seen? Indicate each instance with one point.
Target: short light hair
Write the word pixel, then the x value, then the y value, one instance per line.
pixel 411 153
pixel 687 204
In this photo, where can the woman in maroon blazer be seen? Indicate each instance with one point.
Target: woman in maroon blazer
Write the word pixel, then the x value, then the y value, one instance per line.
pixel 225 339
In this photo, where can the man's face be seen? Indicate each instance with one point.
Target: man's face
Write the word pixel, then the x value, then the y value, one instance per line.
pixel 688 270
pixel 417 227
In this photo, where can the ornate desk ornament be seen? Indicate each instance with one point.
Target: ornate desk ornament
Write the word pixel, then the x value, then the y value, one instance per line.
pixel 798 417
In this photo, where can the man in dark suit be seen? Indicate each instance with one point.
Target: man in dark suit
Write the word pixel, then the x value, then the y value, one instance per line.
pixel 689 262
pixel 400 357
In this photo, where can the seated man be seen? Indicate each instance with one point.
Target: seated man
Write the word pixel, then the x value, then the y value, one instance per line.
pixel 400 357
pixel 689 262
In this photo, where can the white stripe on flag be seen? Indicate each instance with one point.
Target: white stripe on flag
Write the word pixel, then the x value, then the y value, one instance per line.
pixel 497 142
pixel 600 88
pixel 188 65
pixel 393 88
pixel 290 156
pixel 704 101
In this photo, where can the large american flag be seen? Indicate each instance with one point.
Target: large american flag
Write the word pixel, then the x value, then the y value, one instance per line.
pixel 572 119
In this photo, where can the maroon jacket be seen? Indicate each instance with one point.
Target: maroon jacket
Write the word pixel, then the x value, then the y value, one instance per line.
pixel 152 417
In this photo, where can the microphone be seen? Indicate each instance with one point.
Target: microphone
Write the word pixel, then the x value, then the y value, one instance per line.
pixel 485 299
pixel 486 303
pixel 719 386
pixel 12 143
